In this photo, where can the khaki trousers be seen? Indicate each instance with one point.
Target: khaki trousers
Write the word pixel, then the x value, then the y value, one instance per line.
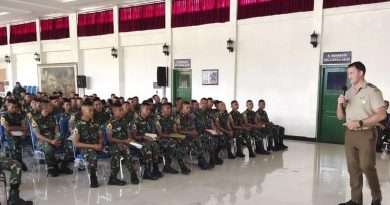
pixel 360 148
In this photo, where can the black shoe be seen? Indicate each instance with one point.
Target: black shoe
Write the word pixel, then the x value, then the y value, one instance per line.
pixel 252 155
pixel 231 155
pixel 202 164
pixel 134 178
pixel 53 172
pixel 14 198
pixel 376 202
pixel 183 168
pixel 24 167
pixel 264 152
pixel 156 171
pixel 66 170
pixel 94 181
pixel 270 148
pixel 240 154
pixel 349 203
pixel 217 160
pixel 115 181
pixel 170 170
pixel 148 174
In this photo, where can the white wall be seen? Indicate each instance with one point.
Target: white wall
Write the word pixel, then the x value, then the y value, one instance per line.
pixel 102 76
pixel 275 62
pixel 27 73
pixel 206 47
pixel 58 57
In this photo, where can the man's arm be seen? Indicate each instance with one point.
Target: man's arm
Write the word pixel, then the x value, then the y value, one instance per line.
pixel 340 109
pixel 77 143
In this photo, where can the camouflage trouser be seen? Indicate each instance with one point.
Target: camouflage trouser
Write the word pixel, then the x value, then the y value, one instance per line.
pixel 192 144
pixel 242 137
pixel 125 152
pixel 14 143
pixel 91 156
pixel 257 133
pixel 50 151
pixel 171 149
pixel 221 141
pixel 14 167
pixel 150 151
pixel 208 142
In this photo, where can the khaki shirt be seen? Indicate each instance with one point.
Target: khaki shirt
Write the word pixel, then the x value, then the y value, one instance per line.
pixel 364 103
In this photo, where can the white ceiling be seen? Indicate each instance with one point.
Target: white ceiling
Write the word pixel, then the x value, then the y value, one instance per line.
pixel 14 11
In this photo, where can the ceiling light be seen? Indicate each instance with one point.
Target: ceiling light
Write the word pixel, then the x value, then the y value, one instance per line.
pixel 92 8
pixel 3 13
pixel 66 1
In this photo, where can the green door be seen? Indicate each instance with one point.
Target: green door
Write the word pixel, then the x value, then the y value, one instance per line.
pixel 182 84
pixel 330 129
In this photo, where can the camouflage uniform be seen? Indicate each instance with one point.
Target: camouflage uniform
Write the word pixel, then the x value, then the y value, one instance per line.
pixel 222 120
pixel 65 116
pixel 101 117
pixel 118 128
pixel 156 109
pixel 241 135
pixel 56 111
pixel 47 126
pixel 251 116
pixel 186 123
pixel 13 119
pixel 89 134
pixel 129 117
pixel 14 167
pixel 150 149
pixel 169 147
pixel 276 131
pixel 203 122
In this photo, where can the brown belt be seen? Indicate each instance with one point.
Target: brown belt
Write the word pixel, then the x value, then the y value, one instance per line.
pixel 363 128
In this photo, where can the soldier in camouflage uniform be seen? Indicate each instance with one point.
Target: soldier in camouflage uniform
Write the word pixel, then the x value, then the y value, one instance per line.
pixel 25 103
pixel 88 137
pixel 221 121
pixel 251 119
pixel 34 109
pixel 240 131
pixel 184 124
pixel 143 123
pixel 56 105
pixel 213 143
pixel 170 147
pixel 15 170
pixel 119 136
pixel 12 121
pixel 156 109
pixel 99 115
pixel 276 130
pixel 128 112
pixel 49 140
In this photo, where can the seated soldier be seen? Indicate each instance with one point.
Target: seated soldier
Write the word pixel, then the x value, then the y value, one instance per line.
pixel 221 121
pixel 99 115
pixel 56 105
pixel 169 146
pixel 276 130
pixel 34 109
pixel 156 108
pixel 14 168
pixel 49 140
pixel 383 130
pixel 204 125
pixel 120 137
pixel 11 121
pixel 128 112
pixel 194 105
pixel 178 102
pixel 164 100
pixel 184 124
pixel 143 125
pixel 87 136
pixel 240 131
pixel 251 119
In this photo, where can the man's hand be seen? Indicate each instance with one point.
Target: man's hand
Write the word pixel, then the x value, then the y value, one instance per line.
pixel 352 124
pixel 148 138
pixel 98 147
pixel 128 141
pixel 55 142
pixel 342 99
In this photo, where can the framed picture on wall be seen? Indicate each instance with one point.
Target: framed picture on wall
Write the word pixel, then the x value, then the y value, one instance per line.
pixel 210 77
pixel 57 77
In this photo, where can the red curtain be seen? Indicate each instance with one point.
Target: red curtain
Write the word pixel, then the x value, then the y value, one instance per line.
pixel 23 33
pixel 144 17
pixel 55 28
pixel 339 3
pixel 256 8
pixel 3 36
pixel 92 24
pixel 197 12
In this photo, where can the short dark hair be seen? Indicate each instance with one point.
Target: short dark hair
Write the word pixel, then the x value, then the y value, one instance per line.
pixel 186 103
pixel 359 66
pixel 209 98
pixel 87 103
pixel 167 104
pixel 248 101
pixel 194 101
pixel 234 101
pixel 261 101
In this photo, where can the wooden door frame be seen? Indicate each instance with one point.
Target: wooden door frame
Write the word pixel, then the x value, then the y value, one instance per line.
pixel 174 89
pixel 320 95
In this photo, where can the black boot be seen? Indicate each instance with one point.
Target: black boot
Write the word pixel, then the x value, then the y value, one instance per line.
pixel 217 160
pixel 184 169
pixel 93 178
pixel 239 150
pixel 270 146
pixel 349 203
pixel 202 164
pixel 167 167
pixel 230 153
pixel 53 169
pixel 134 177
pixel 250 149
pixel 282 145
pixel 260 148
pixel 14 198
pixel 64 167
pixel 156 171
pixel 114 180
pixel 148 173
pixel 24 167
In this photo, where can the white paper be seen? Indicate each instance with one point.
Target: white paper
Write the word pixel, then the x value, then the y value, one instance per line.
pixel 17 133
pixel 154 136
pixel 136 145
pixel 213 132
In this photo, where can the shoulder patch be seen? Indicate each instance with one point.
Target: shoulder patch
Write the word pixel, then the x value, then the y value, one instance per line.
pixel 2 119
pixel 75 130
pixel 109 126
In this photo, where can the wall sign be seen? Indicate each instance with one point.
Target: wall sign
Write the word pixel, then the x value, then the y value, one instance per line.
pixel 182 63
pixel 337 57
pixel 210 77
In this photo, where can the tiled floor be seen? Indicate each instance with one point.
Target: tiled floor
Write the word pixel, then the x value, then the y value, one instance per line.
pixel 307 174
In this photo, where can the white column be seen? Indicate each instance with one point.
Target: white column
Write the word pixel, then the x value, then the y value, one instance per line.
pixel 119 62
pixel 39 45
pixel 11 67
pixel 234 36
pixel 75 47
pixel 167 92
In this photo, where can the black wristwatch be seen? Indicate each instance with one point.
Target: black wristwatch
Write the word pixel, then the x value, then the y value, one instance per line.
pixel 361 123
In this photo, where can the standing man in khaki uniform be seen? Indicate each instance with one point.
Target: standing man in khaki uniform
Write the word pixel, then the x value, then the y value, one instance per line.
pixel 364 108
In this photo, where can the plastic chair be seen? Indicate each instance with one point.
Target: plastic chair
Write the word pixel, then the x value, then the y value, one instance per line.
pixel 29 89
pixel 5 148
pixel 3 179
pixel 34 90
pixel 104 156
pixel 38 154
